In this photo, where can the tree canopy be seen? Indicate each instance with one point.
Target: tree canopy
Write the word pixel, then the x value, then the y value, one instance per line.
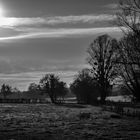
pixel 85 87
pixel 52 85
pixel 102 55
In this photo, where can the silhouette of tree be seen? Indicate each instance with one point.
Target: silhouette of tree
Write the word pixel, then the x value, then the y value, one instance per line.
pixel 52 85
pixel 102 57
pixel 130 63
pixel 61 89
pixel 5 90
pixel 15 90
pixel 129 49
pixel 85 87
pixel 129 16
pixel 34 88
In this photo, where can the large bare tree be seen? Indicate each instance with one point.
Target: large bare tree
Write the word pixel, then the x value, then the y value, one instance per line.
pixel 102 58
pixel 129 48
pixel 130 63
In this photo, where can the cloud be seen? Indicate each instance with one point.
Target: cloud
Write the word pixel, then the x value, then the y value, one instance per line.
pixel 71 19
pixel 111 6
pixel 61 32
pixel 81 18
pixel 47 27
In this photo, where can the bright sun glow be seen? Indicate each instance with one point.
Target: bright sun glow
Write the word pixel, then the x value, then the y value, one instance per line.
pixel 6 21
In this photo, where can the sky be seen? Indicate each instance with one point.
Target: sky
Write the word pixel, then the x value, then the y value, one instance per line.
pixel 50 36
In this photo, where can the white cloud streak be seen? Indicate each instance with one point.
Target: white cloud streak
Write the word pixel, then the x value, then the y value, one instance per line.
pixel 38 27
pixel 13 21
pixel 61 32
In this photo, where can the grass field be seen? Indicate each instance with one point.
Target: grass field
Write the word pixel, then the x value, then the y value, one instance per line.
pixel 57 122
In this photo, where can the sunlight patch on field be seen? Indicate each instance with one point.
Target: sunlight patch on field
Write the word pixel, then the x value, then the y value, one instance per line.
pixel 120 98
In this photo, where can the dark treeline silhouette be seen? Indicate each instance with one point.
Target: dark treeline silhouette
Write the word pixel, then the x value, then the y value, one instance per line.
pixel 34 88
pixel 50 86
pixel 85 87
pixel 6 90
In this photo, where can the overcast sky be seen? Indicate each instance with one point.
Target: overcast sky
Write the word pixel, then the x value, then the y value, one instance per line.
pixel 42 36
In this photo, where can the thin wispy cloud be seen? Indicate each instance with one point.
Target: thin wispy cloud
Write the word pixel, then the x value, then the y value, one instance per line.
pixel 72 19
pixel 63 32
pixel 112 6
pixel 39 27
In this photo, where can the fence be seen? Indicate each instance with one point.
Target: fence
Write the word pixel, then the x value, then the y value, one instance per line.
pixel 123 108
pixel 24 101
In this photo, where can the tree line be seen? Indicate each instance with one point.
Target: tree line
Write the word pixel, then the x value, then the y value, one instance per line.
pixel 49 84
pixel 110 59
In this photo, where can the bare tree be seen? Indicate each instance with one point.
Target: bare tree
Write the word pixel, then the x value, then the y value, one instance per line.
pixel 130 63
pixel 129 16
pixel 129 48
pixel 52 85
pixel 102 57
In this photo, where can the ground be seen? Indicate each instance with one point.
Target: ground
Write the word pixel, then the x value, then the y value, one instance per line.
pixel 64 122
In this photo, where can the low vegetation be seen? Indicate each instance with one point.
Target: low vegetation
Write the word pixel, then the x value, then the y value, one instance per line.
pixel 53 122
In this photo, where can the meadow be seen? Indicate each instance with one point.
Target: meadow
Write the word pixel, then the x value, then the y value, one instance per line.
pixel 68 121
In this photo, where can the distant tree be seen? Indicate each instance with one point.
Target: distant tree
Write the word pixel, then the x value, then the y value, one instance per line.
pixel 85 87
pixel 61 89
pixel 52 85
pixel 102 57
pixel 34 88
pixel 15 90
pixel 6 90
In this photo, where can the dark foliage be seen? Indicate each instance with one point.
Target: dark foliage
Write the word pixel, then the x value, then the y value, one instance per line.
pixel 52 85
pixel 35 88
pixel 6 90
pixel 85 87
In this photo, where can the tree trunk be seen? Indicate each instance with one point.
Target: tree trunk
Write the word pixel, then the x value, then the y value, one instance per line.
pixel 137 95
pixel 103 95
pixel 51 97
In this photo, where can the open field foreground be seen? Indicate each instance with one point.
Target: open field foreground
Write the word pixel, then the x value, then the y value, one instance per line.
pixel 69 122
